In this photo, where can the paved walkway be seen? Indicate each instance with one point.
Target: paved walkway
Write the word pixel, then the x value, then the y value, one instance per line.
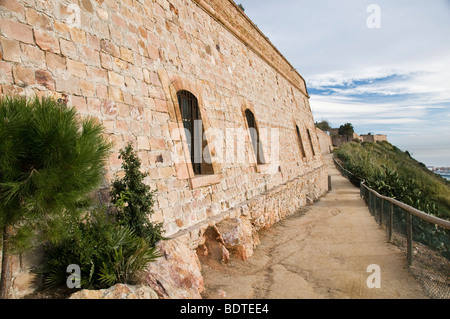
pixel 323 251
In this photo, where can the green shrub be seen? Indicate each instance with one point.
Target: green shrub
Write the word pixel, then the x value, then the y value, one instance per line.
pixel 106 253
pixel 50 160
pixel 133 198
pixel 109 248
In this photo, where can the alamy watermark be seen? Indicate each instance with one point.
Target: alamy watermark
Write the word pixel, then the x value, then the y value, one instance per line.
pixel 374 279
pixel 74 279
pixel 74 18
pixel 227 146
pixel 374 19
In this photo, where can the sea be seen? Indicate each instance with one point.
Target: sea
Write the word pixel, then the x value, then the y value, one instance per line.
pixel 445 175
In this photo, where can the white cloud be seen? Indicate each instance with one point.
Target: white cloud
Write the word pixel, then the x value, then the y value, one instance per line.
pixel 329 43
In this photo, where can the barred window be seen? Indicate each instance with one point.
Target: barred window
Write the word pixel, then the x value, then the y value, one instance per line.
pixel 190 114
pixel 254 135
pixel 310 142
pixel 302 149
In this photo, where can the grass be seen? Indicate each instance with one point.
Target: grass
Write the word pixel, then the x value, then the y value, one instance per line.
pixel 396 174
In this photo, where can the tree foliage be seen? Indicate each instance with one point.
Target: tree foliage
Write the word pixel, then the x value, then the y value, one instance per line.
pixel 323 125
pixel 346 129
pixel 134 199
pixel 49 162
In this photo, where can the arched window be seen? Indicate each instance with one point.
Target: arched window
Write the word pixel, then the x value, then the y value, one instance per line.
pixel 190 114
pixel 302 149
pixel 254 135
pixel 310 142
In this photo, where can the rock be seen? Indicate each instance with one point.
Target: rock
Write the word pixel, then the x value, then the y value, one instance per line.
pixel 176 275
pixel 119 291
pixel 237 235
pixel 225 255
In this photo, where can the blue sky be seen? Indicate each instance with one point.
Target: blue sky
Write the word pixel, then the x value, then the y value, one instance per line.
pixel 392 80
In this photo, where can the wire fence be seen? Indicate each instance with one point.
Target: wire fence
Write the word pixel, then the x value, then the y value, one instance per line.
pixel 423 238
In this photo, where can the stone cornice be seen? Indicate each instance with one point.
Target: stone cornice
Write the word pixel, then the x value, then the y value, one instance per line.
pixel 239 24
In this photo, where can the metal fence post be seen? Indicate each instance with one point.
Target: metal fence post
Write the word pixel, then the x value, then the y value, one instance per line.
pixel 391 221
pixel 372 204
pixel 409 238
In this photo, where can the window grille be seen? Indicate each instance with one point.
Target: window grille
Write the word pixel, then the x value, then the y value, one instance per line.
pixel 302 149
pixel 254 135
pixel 190 115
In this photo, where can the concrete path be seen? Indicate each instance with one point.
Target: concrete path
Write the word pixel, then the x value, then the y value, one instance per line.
pixel 323 251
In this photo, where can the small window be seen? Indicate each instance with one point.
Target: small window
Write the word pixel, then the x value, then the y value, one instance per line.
pixel 254 135
pixel 302 149
pixel 310 142
pixel 192 123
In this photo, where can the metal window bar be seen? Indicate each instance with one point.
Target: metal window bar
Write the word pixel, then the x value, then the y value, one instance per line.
pixel 302 149
pixel 254 135
pixel 310 142
pixel 190 114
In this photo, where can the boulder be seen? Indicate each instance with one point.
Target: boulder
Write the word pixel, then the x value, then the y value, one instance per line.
pixel 119 291
pixel 213 247
pixel 238 236
pixel 177 274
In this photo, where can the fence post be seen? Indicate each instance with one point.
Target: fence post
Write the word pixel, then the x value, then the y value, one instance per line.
pixel 372 203
pixel 409 238
pixel 381 212
pixel 391 221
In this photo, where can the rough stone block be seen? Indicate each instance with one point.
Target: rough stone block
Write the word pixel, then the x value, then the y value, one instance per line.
pixel 55 61
pixel 237 235
pixel 11 50
pixel 23 76
pixel 177 274
pixel 6 76
pixel 17 31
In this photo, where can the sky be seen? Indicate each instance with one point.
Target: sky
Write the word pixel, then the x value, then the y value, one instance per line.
pixel 383 66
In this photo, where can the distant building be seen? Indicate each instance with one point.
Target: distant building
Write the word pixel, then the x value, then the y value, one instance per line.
pixel 338 140
pixel 374 138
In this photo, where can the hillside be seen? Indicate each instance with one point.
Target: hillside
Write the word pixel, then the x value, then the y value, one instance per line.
pixel 396 174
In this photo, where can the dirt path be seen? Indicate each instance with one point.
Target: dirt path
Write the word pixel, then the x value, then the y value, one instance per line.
pixel 322 251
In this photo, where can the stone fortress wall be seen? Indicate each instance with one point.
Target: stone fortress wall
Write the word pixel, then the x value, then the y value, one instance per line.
pixel 325 141
pixel 123 62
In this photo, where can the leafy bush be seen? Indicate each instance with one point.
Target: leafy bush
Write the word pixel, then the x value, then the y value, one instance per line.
pixel 133 198
pixel 106 253
pixel 109 248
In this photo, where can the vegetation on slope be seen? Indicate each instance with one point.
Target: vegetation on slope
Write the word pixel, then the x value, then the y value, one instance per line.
pixel 394 173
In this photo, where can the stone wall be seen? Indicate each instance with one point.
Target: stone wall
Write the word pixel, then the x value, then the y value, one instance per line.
pixel 338 140
pixel 325 141
pixel 123 63
pixel 374 138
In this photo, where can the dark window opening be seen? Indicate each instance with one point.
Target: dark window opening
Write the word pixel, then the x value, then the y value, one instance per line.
pixel 190 114
pixel 254 135
pixel 310 142
pixel 302 149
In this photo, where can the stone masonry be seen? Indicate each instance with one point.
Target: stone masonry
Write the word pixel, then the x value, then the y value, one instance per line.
pixel 123 63
pixel 325 141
